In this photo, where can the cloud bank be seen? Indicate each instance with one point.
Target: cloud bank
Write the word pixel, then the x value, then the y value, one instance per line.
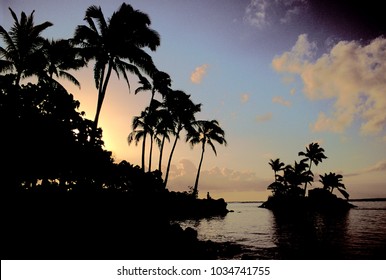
pixel 198 74
pixel 380 166
pixel 351 74
pixel 262 13
pixel 216 179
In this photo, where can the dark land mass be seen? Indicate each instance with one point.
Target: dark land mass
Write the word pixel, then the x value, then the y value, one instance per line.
pixel 101 226
pixel 368 199
pixel 63 196
pixel 318 200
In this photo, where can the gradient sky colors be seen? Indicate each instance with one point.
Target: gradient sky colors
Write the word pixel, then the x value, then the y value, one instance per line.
pixel 276 74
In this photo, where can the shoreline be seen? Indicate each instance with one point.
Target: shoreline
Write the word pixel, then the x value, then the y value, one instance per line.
pixel 353 200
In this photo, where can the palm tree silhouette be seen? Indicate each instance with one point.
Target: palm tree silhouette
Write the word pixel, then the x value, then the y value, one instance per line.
pixel 59 57
pixel 298 174
pixel 205 132
pixel 164 128
pixel 142 126
pixel 182 110
pixel 23 45
pixel 276 166
pixel 315 154
pixel 333 181
pixel 113 42
pixel 161 84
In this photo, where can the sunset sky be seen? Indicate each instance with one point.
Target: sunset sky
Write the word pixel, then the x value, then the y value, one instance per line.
pixel 276 74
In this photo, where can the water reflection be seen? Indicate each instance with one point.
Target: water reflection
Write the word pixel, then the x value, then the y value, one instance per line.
pixel 308 235
pixel 359 233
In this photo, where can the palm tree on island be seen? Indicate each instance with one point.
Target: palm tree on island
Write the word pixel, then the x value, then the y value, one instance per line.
pixel 287 192
pixel 276 166
pixel 315 154
pixel 333 181
pixel 205 132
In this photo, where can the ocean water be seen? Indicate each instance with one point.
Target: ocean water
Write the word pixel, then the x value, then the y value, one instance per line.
pixel 358 234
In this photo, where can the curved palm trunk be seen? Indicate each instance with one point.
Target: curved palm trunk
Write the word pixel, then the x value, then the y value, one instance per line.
pixel 18 78
pixel 195 189
pixel 151 151
pixel 102 92
pixel 305 185
pixel 161 150
pixel 170 158
pixel 143 151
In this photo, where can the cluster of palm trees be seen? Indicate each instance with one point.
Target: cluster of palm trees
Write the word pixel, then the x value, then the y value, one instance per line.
pixel 116 44
pixel 289 179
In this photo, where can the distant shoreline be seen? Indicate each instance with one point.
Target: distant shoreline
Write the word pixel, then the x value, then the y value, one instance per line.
pixel 368 199
pixel 353 200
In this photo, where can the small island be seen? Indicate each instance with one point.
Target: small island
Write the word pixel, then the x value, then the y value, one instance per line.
pixel 289 190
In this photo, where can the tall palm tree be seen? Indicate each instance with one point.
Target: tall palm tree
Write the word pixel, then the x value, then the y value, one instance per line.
pixel 276 166
pixel 139 132
pixel 116 44
pixel 315 154
pixel 278 187
pixel 333 181
pixel 59 57
pixel 182 110
pixel 144 125
pixel 23 45
pixel 164 128
pixel 205 132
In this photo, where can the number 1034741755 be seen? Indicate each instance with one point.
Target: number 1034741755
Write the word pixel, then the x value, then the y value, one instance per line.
pixel 239 270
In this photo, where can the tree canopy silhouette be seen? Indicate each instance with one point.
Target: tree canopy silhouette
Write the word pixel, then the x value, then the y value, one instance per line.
pixel 116 44
pixel 24 46
pixel 205 132
pixel 286 188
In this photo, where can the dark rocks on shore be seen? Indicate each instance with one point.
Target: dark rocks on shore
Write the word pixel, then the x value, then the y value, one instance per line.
pixel 184 206
pixel 104 226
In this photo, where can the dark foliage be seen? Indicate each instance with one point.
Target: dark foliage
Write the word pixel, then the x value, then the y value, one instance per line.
pixel 287 191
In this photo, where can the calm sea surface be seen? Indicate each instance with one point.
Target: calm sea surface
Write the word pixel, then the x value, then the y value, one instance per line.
pixel 358 234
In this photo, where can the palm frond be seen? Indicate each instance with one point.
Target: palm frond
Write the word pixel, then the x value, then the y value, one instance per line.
pixel 145 85
pixel 96 13
pixel 98 72
pixel 7 39
pixel 6 66
pixel 210 143
pixel 68 76
pixel 14 16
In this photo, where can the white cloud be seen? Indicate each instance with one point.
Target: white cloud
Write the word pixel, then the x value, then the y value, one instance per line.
pixel 351 74
pixel 256 13
pixel 280 100
pixel 244 98
pixel 199 73
pixel 262 13
pixel 264 118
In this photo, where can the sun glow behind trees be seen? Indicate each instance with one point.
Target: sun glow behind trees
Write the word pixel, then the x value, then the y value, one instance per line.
pixel 239 58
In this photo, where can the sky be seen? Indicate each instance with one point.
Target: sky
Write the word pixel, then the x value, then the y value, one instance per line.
pixel 276 74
